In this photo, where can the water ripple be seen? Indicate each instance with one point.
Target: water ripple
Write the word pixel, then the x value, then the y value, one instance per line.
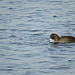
pixel 6 69
pixel 25 28
pixel 60 67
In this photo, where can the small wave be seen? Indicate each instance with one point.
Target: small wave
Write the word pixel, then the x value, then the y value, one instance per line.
pixel 6 69
pixel 3 29
pixel 60 67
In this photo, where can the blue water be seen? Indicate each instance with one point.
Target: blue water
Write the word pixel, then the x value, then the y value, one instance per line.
pixel 25 27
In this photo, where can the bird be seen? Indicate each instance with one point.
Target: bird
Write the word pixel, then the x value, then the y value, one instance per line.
pixel 54 38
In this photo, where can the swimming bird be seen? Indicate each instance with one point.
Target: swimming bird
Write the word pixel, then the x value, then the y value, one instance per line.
pixel 54 38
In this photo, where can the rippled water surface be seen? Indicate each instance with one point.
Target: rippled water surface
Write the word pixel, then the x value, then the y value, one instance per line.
pixel 25 27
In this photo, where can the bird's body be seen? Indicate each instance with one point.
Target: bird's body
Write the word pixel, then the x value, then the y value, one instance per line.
pixel 63 39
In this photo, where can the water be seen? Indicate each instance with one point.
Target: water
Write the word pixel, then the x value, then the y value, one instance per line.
pixel 25 27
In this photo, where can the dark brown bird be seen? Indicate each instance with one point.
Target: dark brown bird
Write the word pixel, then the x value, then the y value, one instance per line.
pixel 54 38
